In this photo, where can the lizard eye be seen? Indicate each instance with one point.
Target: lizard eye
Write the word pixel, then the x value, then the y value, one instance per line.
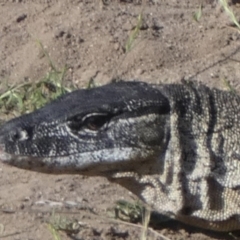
pixel 90 122
pixel 95 122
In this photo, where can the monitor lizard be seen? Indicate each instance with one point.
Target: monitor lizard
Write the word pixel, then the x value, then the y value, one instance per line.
pixel 176 146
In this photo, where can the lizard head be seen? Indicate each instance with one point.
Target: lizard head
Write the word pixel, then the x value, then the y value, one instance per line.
pixel 86 131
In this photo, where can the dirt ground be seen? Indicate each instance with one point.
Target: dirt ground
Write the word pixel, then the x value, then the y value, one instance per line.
pixel 89 37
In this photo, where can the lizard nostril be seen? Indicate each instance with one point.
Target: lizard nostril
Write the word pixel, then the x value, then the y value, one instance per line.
pixel 19 135
pixel 14 135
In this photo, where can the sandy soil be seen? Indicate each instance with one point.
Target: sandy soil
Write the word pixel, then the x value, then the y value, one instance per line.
pixel 89 38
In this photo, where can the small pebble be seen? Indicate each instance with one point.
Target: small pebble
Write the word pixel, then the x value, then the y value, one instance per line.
pixel 21 18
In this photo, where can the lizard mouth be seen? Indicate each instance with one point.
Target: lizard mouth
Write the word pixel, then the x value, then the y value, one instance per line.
pixel 25 162
pixel 88 163
pixel 3 155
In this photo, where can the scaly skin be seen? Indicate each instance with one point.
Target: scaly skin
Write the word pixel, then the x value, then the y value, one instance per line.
pixel 175 146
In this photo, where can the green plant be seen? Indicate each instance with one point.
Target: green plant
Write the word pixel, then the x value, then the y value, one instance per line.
pixel 229 12
pixel 198 14
pixel 134 34
pixel 28 96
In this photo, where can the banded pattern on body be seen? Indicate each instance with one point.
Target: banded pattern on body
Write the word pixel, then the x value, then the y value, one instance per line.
pixel 175 146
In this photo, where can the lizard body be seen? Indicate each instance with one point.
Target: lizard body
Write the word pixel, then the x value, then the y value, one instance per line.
pixel 175 146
